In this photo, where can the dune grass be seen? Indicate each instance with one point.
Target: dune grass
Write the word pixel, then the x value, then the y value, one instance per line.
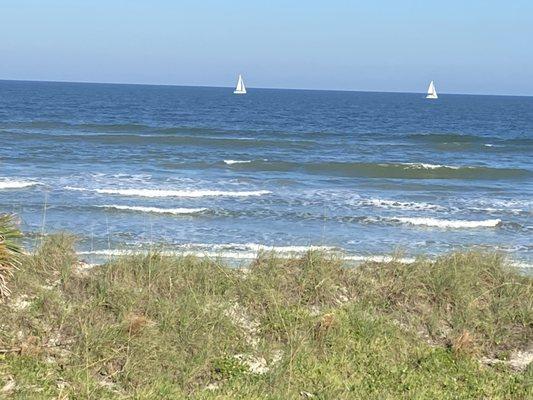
pixel 9 251
pixel 153 327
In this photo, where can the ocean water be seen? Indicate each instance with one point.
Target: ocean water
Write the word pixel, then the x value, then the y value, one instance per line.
pixel 127 167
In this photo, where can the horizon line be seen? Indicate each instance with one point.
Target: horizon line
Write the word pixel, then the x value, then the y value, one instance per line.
pixel 256 87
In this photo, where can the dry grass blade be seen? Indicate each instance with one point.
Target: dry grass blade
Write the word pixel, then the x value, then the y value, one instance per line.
pixel 9 251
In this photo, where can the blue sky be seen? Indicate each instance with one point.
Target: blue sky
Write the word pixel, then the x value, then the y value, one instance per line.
pixel 469 46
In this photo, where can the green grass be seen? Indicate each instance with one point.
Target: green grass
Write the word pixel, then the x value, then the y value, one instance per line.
pixel 156 327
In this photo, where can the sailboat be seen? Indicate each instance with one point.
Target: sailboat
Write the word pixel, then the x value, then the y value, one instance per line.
pixel 240 89
pixel 432 92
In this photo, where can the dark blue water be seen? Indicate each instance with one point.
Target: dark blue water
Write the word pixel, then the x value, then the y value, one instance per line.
pixel 129 166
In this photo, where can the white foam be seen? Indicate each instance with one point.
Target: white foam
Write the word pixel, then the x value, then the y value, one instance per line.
pixel 502 206
pixel 488 145
pixel 110 252
pixel 236 255
pixel 15 184
pixel 521 264
pixel 175 211
pixel 381 203
pixel 77 189
pixel 231 162
pixel 492 210
pixel 444 223
pixel 216 251
pixel 174 193
pixel 261 247
pixel 429 166
pixel 380 259
pixel 251 255
pixel 229 250
pixel 511 203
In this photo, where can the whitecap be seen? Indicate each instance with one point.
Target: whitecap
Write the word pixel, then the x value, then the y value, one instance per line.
pixel 429 166
pixel 444 223
pixel 231 162
pixel 16 184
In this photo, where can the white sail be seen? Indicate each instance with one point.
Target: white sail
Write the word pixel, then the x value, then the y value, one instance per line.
pixel 240 89
pixel 432 92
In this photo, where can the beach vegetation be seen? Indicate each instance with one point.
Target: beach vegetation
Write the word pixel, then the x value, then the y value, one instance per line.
pixel 152 326
pixel 9 251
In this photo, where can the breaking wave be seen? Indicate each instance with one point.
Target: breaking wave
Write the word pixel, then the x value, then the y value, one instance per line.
pixel 388 170
pixel 173 193
pixel 402 205
pixel 443 223
pixel 16 184
pixel 231 162
pixel 244 255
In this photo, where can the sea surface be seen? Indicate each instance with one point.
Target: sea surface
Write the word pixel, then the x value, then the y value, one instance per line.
pixel 129 167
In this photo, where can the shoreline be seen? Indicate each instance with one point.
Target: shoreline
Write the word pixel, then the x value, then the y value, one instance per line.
pixel 285 252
